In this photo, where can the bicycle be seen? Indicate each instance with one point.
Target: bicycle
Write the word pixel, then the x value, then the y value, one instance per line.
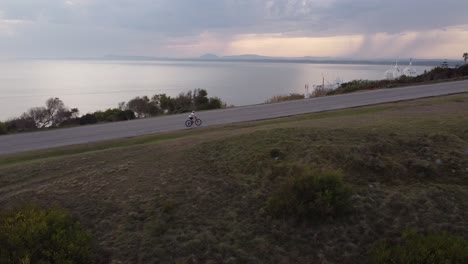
pixel 190 122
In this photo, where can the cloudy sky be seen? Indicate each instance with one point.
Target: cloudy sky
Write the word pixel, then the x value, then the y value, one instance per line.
pixel 188 28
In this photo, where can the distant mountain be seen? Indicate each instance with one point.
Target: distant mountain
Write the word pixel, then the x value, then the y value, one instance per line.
pixel 128 57
pixel 248 57
pixel 305 59
pixel 209 56
pixel 319 58
pixel 261 57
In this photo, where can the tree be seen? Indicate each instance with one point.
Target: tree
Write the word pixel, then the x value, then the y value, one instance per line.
pixel 139 105
pixel 39 115
pixel 53 114
pixel 122 106
pixel 200 99
pixel 215 103
pixel 56 110
pixel 71 117
pixel 465 56
pixel 183 102
pixel 143 106
pixel 166 103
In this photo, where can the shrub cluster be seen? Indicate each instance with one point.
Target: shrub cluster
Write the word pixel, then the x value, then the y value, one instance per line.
pixel 313 195
pixel 196 100
pixel 3 128
pixel 436 74
pixel 32 235
pixel 56 114
pixel 282 98
pixel 416 248
pixel 110 115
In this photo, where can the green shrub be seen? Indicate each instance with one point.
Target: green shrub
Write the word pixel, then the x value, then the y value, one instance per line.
pixel 3 128
pixel 428 249
pixel 113 115
pixel 34 235
pixel 88 119
pixel 215 103
pixel 313 195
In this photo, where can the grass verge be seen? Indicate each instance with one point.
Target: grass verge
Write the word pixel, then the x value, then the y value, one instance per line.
pixel 199 195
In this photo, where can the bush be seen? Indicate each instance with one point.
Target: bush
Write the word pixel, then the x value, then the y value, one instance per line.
pixel 144 106
pixel 21 124
pixel 215 103
pixel 321 91
pixel 282 98
pixel 113 115
pixel 3 128
pixel 88 119
pixel 33 235
pixel 125 115
pixel 428 249
pixel 312 195
pixel 436 74
pixel 71 122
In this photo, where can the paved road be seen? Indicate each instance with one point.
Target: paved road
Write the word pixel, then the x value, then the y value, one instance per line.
pixel 85 134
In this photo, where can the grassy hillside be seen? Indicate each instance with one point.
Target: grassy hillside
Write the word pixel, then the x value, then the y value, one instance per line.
pixel 199 196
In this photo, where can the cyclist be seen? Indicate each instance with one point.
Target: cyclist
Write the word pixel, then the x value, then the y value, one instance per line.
pixel 192 116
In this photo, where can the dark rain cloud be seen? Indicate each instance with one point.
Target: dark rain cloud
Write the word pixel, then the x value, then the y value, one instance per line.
pixel 245 16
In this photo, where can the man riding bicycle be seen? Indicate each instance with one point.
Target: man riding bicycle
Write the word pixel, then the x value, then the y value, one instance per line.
pixel 193 119
pixel 192 116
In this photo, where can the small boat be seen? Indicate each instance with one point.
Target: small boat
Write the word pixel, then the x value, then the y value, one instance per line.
pixel 410 71
pixel 393 73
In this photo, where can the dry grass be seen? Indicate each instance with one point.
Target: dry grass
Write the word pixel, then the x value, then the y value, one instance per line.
pixel 282 98
pixel 200 198
pixel 321 91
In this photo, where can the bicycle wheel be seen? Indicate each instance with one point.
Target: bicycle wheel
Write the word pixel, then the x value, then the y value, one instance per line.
pixel 188 123
pixel 198 122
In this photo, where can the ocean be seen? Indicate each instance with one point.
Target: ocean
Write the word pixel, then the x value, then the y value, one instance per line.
pixel 91 85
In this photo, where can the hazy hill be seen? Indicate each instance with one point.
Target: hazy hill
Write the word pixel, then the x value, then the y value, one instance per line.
pixel 306 59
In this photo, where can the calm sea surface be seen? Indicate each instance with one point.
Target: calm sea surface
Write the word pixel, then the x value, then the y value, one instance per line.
pixel 98 85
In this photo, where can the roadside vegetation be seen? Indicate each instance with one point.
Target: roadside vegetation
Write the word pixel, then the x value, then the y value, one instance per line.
pixel 34 235
pixel 434 75
pixel 282 98
pixel 438 74
pixel 431 248
pixel 309 194
pixel 333 187
pixel 55 114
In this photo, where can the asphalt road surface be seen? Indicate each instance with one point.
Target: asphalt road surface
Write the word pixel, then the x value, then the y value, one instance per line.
pixel 92 133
